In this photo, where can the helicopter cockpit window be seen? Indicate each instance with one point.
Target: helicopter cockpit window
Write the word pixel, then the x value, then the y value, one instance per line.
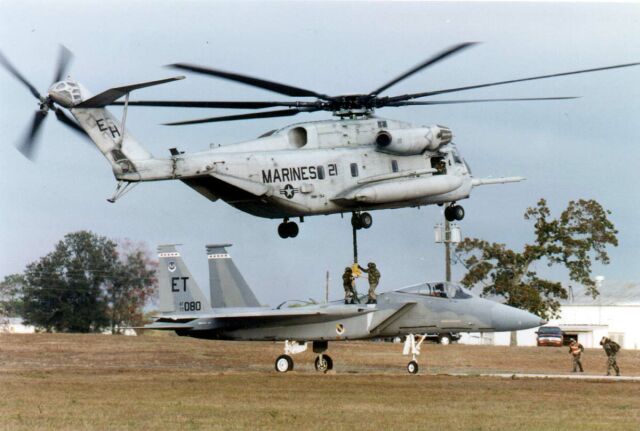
pixel 394 165
pixel 456 157
pixel 354 169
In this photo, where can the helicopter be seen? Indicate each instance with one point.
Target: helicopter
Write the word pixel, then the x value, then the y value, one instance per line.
pixel 354 162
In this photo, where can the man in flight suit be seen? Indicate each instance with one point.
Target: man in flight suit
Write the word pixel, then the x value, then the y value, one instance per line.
pixel 576 350
pixel 374 279
pixel 347 284
pixel 611 348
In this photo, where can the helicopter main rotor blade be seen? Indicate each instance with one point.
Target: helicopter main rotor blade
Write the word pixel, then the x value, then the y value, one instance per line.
pixel 215 104
pixel 63 61
pixel 29 142
pixel 511 81
pixel 253 115
pixel 433 60
pixel 12 70
pixel 276 87
pixel 60 115
pixel 451 102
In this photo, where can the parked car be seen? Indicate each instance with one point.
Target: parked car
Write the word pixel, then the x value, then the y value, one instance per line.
pixel 444 338
pixel 549 336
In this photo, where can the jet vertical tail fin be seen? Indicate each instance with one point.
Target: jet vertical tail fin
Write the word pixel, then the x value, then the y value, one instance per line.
pixel 228 287
pixel 179 292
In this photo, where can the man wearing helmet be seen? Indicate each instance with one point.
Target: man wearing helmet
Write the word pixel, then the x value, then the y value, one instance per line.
pixel 374 279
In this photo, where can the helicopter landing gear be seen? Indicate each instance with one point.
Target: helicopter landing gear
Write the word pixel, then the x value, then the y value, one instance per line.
pixel 412 347
pixel 361 220
pixel 454 212
pixel 288 229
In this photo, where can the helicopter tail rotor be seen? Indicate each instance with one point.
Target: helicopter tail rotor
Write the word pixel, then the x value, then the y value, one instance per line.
pixel 28 144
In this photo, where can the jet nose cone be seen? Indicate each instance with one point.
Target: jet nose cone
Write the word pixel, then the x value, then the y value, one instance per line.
pixel 543 322
pixel 506 318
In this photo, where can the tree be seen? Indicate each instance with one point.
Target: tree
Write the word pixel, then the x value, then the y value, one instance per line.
pixel 579 235
pixel 131 285
pixel 11 296
pixel 86 284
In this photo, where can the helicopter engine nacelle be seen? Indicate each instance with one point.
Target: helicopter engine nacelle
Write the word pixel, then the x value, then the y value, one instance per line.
pixel 409 142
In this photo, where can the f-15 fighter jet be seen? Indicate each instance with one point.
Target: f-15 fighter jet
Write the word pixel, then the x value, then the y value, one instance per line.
pixel 234 313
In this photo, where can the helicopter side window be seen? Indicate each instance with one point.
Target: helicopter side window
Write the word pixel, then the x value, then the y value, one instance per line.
pixel 354 169
pixel 394 165
pixel 456 157
pixel 320 170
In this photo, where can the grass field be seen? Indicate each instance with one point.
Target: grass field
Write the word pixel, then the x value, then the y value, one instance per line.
pixel 99 382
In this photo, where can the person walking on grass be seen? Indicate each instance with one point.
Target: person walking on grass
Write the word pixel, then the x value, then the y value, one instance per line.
pixel 576 349
pixel 611 348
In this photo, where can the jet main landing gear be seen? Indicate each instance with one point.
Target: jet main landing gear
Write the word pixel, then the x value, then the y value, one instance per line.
pixel 284 362
pixel 412 347
pixel 323 363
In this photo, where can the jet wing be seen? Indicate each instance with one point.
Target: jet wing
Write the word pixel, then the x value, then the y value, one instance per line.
pixel 226 313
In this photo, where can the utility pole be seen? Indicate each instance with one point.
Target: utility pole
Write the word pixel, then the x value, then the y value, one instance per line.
pixel 326 289
pixel 447 254
pixel 449 233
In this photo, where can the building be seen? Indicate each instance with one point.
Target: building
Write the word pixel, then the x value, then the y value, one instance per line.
pixel 14 325
pixel 615 313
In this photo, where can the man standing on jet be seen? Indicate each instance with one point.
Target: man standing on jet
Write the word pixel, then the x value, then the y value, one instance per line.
pixel 374 279
pixel 347 284
pixel 611 348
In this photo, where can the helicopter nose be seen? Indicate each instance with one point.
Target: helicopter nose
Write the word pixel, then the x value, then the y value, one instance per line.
pixel 507 318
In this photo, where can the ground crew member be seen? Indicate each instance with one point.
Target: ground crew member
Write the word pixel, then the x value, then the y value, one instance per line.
pixel 611 348
pixel 347 284
pixel 576 350
pixel 374 279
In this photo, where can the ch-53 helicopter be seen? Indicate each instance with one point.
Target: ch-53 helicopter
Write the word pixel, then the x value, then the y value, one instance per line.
pixel 355 163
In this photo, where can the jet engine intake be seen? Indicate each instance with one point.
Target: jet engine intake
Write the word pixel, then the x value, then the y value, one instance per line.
pixel 409 142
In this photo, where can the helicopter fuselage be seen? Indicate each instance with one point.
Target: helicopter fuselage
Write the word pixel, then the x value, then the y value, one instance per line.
pixel 321 167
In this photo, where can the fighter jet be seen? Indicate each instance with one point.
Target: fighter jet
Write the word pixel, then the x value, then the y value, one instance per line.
pixel 234 313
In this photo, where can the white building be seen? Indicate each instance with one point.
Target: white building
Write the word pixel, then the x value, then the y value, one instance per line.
pixel 615 313
pixel 14 325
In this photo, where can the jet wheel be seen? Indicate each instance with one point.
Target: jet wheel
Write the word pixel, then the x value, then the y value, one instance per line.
pixel 324 363
pixel 412 367
pixel 284 363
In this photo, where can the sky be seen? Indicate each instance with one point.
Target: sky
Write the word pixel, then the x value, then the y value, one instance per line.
pixel 583 148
